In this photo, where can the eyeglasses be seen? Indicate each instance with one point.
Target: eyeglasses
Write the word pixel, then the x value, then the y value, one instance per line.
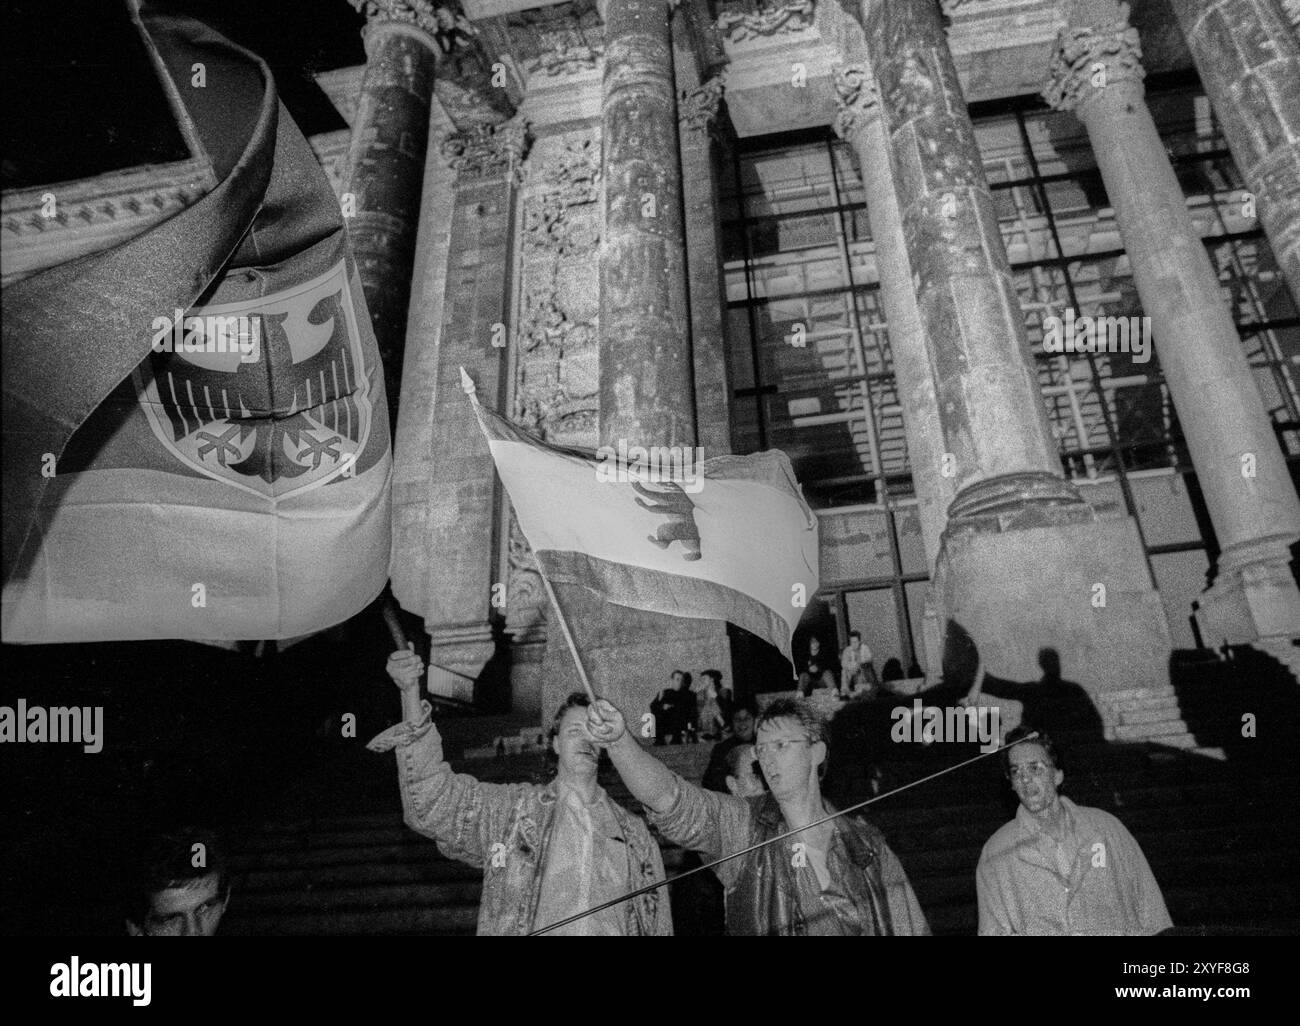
pixel 1028 769
pixel 780 746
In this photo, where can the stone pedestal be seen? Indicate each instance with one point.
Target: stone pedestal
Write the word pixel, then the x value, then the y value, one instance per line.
pixel 1248 58
pixel 1022 555
pixel 383 175
pixel 1252 503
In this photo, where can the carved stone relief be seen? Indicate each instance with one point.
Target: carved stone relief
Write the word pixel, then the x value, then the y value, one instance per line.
pixel 558 40
pixel 744 19
pixel 556 338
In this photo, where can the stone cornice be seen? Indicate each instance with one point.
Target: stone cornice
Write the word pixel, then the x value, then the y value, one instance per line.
pixel 484 152
pixel 858 99
pixel 51 224
pixel 1090 59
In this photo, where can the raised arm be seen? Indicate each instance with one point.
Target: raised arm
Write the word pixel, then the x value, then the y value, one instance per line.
pixel 710 823
pixel 464 816
pixel 650 781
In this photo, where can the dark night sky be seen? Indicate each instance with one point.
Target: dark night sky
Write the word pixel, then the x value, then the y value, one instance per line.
pixel 80 99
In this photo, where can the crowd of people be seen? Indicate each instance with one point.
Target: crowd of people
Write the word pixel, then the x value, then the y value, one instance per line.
pixel 567 854
pixel 563 858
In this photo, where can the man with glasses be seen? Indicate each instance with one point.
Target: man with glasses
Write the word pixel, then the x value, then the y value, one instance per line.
pixel 837 878
pixel 1059 868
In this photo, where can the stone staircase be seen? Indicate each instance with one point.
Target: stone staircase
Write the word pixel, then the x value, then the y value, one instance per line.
pixel 1212 811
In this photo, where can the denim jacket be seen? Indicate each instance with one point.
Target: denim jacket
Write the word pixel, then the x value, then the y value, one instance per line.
pixel 469 819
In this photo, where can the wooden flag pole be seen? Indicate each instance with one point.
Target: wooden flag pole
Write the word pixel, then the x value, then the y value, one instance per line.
pixel 568 637
pixel 467 383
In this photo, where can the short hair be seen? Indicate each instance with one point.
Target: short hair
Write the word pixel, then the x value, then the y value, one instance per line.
pixel 795 709
pixel 575 700
pixel 166 859
pixel 732 758
pixel 745 705
pixel 1042 740
pixel 686 679
pixel 855 634
pixel 715 675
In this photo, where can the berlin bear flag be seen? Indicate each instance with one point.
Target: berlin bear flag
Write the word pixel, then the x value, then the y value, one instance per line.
pixel 731 538
pixel 167 483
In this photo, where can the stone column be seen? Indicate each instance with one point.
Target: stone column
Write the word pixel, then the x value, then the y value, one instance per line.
pixel 445 520
pixel 1248 58
pixel 698 138
pixel 385 164
pixel 1097 73
pixel 860 123
pixel 646 367
pixel 1022 554
pixel 645 339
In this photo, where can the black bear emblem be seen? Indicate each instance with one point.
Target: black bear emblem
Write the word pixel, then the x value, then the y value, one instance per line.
pixel 676 505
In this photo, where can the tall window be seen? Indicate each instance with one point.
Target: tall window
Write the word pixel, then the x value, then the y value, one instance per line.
pixel 813 375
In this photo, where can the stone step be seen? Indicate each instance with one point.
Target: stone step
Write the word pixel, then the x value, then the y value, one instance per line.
pixel 370 832
pixel 374 896
pixel 1153 715
pixel 1120 695
pixel 453 922
pixel 948 901
pixel 1169 702
pixel 1148 731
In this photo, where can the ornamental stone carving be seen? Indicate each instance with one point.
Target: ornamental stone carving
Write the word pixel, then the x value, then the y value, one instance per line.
pixel 570 180
pixel 561 39
pixel 525 595
pixel 420 13
pixel 745 19
pixel 858 99
pixel 698 107
pixel 1094 57
pixel 486 151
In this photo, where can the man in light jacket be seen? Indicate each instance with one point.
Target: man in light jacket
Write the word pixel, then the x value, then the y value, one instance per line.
pixel 547 851
pixel 1061 869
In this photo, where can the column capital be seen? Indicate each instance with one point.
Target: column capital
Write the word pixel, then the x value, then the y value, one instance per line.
pixel 417 18
pixel 857 99
pixel 487 151
pixel 697 108
pixel 1089 59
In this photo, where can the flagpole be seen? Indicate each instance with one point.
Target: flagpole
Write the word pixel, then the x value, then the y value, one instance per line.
pixel 467 384
pixel 568 636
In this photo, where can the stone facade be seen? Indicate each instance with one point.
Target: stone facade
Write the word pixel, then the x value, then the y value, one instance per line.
pixel 525 230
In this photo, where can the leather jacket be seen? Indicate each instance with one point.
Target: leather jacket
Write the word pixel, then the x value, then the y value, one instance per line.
pixel 869 893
